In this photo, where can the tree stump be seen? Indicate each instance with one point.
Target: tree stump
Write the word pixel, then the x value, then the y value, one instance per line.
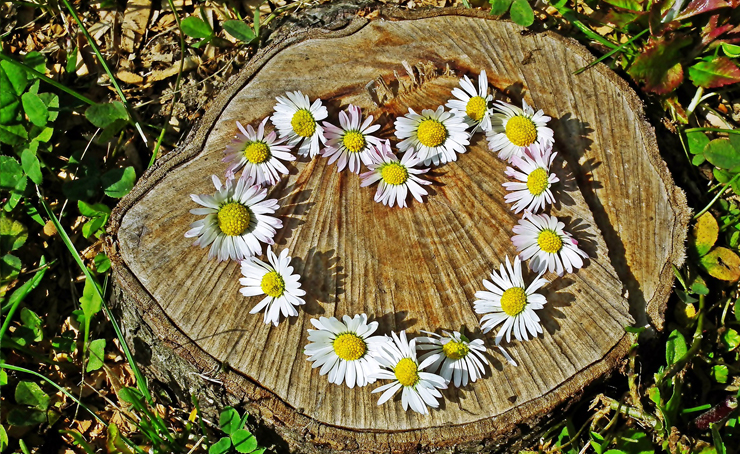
pixel 415 268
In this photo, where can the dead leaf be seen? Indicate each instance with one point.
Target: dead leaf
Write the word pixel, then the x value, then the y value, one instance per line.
pixel 723 264
pixel 189 64
pixel 135 20
pixel 129 77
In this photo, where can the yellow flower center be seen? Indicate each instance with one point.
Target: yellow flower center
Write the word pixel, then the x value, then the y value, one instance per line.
pixel 431 133
pixel 394 173
pixel 303 123
pixel 233 218
pixel 354 141
pixel 272 284
pixel 349 346
pixel 455 350
pixel 407 372
pixel 513 301
pixel 476 108
pixel 537 181
pixel 550 242
pixel 521 131
pixel 257 152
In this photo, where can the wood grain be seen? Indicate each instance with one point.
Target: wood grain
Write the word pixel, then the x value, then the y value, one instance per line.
pixel 415 268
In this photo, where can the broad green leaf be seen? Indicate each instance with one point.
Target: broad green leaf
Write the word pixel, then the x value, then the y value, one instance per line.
pixel 658 67
pixel 118 182
pixel 11 173
pixel 64 343
pixel 195 27
pixel 229 420
pixel 697 140
pixel 10 103
pixel 102 263
pixel 94 210
pixel 632 5
pixel 3 377
pixel 13 134
pixel 730 339
pixel 17 76
pixel 33 322
pixel 614 451
pixel 30 393
pixel 244 441
pixel 701 6
pixel 134 397
pixel 239 30
pixel 35 108
pixel 719 373
pixel 90 302
pixel 97 355
pixel 86 187
pixel 722 154
pixel 521 13
pixel 10 266
pixel 675 347
pixel 102 115
pixel 3 438
pixel 715 73
pixel 114 444
pixel 721 263
pixel 731 50
pixel 499 7
pixel 704 234
pixel 13 234
pixel 221 446
pixel 36 61
pixel 52 104
pixel 32 166
pixel 698 160
pixel 26 417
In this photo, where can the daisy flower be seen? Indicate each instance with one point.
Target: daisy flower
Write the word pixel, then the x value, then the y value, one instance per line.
pixel 396 177
pixel 237 219
pixel 509 301
pixel 472 104
pixel 455 356
pixel 398 357
pixel 541 237
pixel 351 142
pixel 532 192
pixel 260 155
pixel 297 119
pixel 435 135
pixel 346 351
pixel 513 129
pixel 277 281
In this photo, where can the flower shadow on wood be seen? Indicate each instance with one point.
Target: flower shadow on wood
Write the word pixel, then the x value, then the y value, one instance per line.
pixel 322 279
pixel 293 209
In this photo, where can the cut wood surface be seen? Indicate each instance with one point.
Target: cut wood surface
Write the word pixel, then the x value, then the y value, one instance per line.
pixel 416 268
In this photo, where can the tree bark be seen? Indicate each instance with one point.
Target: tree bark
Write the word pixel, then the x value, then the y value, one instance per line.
pixel 415 268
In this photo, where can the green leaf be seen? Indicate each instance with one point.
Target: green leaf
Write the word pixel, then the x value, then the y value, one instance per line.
pixel 79 440
pixel 731 50
pixel 719 373
pixel 521 13
pixel 97 355
pixel 635 442
pixel 31 166
pixel 697 140
pixel 26 417
pixel 35 108
pixel 658 67
pixel 11 173
pixel 499 7
pixel 33 322
pixel 221 446
pixel 13 134
pixel 239 30
pixel 102 115
pixel 113 443
pixel 3 438
pixel 94 210
pixel 13 234
pixel 632 5
pixel 86 187
pixel 675 347
pixel 704 234
pixel 244 441
pixel 17 76
pixel 52 104
pixel 30 393
pixel 721 153
pixel 730 339
pixel 721 263
pixel 714 73
pixel 195 27
pixel 90 303
pixel 10 266
pixel 35 60
pixel 118 182
pixel 102 263
pixel 10 103
pixel 229 420
pixel 132 396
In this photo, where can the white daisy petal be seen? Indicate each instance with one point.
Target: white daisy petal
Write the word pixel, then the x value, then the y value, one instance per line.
pixel 347 347
pixel 397 178
pixel 239 221
pixel 437 136
pixel 473 104
pixel 258 154
pixel 350 143
pixel 541 237
pixel 297 121
pixel 453 350
pixel 514 129
pixel 511 304
pixel 535 194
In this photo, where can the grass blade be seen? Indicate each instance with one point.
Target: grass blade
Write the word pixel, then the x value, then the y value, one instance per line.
pixel 20 294
pixel 612 52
